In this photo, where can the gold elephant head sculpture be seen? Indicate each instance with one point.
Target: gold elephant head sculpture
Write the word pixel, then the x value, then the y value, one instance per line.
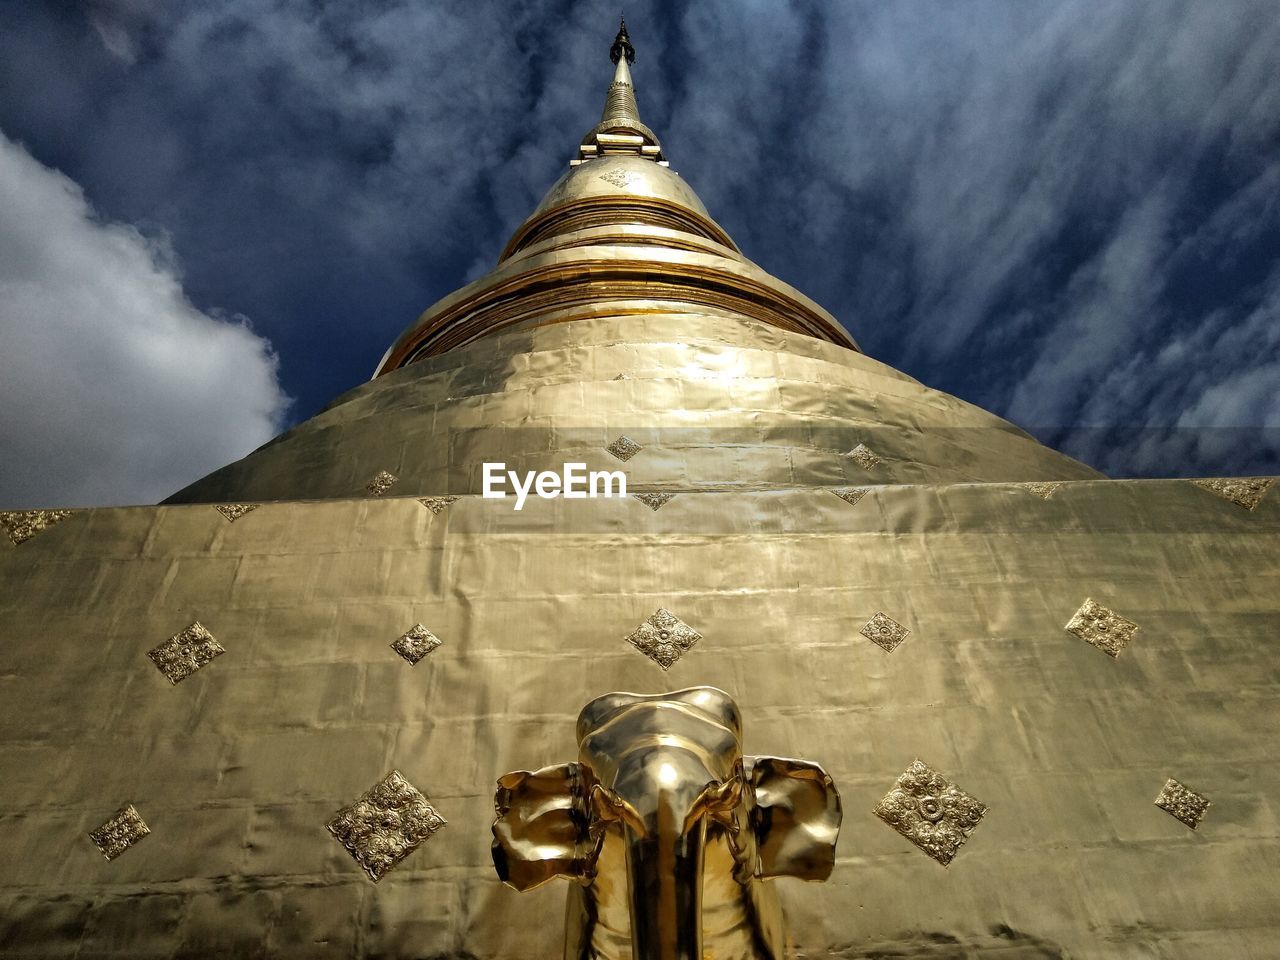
pixel 668 830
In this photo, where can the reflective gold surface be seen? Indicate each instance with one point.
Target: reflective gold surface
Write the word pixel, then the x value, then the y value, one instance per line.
pixel 238 768
pixel 620 226
pixel 616 178
pixel 699 825
pixel 873 570
pixel 717 402
pixel 582 280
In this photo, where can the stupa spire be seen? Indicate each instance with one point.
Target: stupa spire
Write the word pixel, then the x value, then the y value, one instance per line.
pixel 620 130
pixel 622 48
pixel 620 102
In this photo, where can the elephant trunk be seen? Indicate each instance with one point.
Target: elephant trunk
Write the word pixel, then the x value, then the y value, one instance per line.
pixel 659 763
pixel 659 793
pixel 665 873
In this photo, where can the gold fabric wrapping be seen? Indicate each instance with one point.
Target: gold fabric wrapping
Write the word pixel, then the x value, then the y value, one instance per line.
pixel 725 403
pixel 238 769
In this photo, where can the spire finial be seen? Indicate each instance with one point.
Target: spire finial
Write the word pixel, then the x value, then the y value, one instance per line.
pixel 622 45
pixel 620 130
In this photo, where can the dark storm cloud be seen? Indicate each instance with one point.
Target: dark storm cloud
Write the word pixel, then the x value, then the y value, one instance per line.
pixel 1062 212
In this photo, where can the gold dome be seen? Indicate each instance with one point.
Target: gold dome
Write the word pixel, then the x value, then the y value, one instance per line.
pixel 619 306
pixel 617 189
pixel 620 234
pixel 610 177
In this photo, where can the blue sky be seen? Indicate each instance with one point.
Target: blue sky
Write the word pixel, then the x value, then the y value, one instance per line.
pixel 215 216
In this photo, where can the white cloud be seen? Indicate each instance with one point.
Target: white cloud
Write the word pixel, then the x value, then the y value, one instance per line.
pixel 114 388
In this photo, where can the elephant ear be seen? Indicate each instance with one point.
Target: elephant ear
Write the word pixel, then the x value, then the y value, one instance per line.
pixel 542 827
pixel 795 817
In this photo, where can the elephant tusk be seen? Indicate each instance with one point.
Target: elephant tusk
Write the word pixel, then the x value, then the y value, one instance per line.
pixel 610 808
pixel 719 801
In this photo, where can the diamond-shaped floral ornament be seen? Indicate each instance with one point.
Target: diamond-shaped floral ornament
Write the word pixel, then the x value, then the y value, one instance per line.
pixel 185 652
pixel 125 828
pixel 624 448
pixel 383 482
pixel 654 501
pixel 931 811
pixel 1044 489
pixel 1246 492
pixel 850 495
pixel 1182 803
pixel 862 456
pixel 664 638
pixel 234 511
pixel 386 824
pixel 22 525
pixel 619 178
pixel 416 643
pixel 1105 629
pixel 436 504
pixel 884 631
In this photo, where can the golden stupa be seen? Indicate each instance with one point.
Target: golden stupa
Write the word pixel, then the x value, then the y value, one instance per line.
pixel 268 717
